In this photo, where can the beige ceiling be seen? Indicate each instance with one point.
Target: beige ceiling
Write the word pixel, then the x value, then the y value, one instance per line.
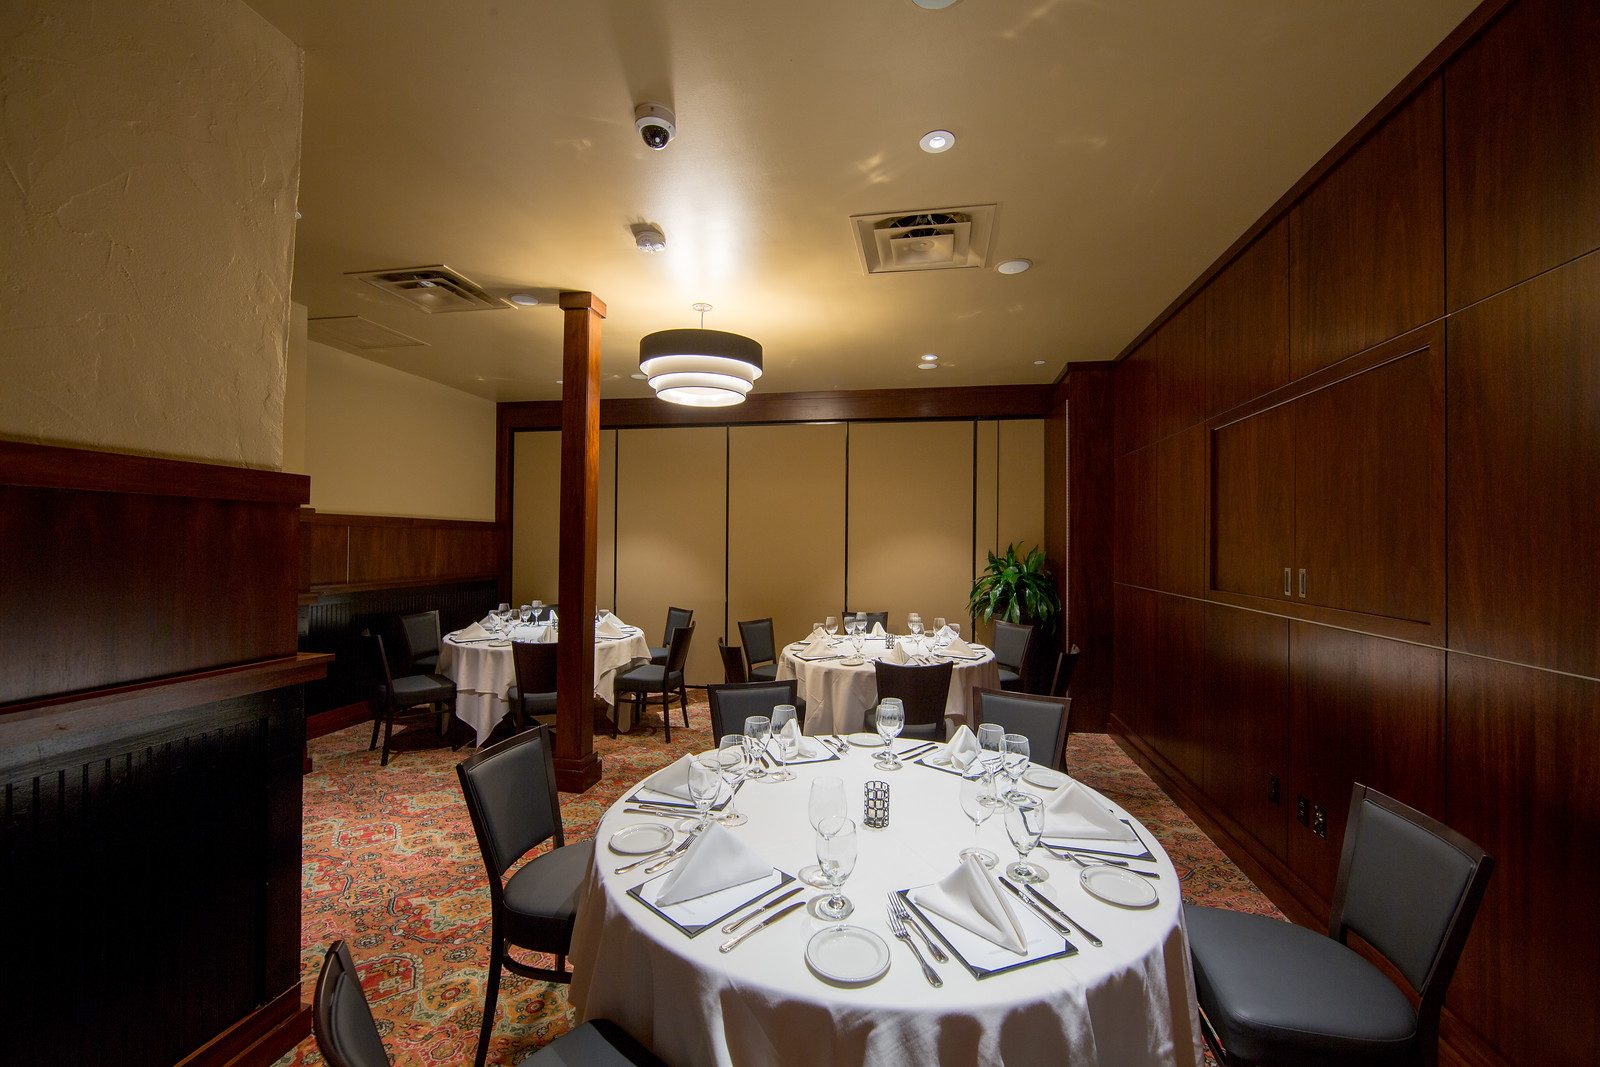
pixel 1126 142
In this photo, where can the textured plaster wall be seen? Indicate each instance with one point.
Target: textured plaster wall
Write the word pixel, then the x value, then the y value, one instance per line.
pixel 383 442
pixel 152 160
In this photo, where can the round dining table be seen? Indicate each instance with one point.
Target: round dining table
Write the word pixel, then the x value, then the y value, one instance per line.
pixel 1128 1002
pixel 838 692
pixel 484 673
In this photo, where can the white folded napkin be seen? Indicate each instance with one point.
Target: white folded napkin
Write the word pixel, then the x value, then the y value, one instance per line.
pixel 963 747
pixel 958 647
pixel 877 630
pixel 539 634
pixel 943 632
pixel 672 780
pixel 552 620
pixel 971 898
pixel 474 632
pixel 790 733
pixel 716 861
pixel 609 627
pixel 896 654
pixel 1074 813
pixel 820 646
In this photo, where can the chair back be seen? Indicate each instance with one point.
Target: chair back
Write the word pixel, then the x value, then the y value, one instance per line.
pixel 342 1021
pixel 1042 720
pixel 678 648
pixel 510 789
pixel 1066 663
pixel 421 632
pixel 732 704
pixel 677 618
pixel 759 645
pixel 1409 886
pixel 377 663
pixel 543 614
pixel 879 617
pixel 535 666
pixel 733 669
pixel 925 691
pixel 1011 645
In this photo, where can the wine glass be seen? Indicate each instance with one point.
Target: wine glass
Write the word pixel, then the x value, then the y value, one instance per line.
pixel 827 802
pixel 831 624
pixel 991 746
pixel 705 782
pixel 1024 824
pixel 836 855
pixel 891 719
pixel 955 631
pixel 757 729
pixel 978 802
pixel 941 633
pixel 733 757
pixel 914 624
pixel 1017 757
pixel 780 749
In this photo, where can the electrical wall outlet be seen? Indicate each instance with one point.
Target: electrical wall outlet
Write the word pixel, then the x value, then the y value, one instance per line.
pixel 1302 810
pixel 1319 821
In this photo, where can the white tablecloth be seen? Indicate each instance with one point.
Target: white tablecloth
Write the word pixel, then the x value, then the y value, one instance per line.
pixel 484 673
pixel 1129 1003
pixel 837 697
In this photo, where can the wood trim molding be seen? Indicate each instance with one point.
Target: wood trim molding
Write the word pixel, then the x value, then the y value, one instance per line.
pixel 1431 65
pixel 260 1038
pixel 328 518
pixel 53 467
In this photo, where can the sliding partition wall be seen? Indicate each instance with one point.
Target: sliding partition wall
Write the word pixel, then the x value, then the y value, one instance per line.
pixel 797 520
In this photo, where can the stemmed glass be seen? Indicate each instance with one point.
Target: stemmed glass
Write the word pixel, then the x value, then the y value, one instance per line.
pixel 891 719
pixel 705 782
pixel 991 746
pixel 757 729
pixel 782 716
pixel 1017 756
pixel 914 624
pixel 827 802
pixel 733 758
pixel 1024 824
pixel 940 637
pixel 978 802
pixel 831 624
pixel 836 855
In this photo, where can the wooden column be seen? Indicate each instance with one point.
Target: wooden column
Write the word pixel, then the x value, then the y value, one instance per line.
pixel 577 767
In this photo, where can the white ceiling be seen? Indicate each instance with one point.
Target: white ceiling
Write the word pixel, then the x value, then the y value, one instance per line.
pixel 1126 142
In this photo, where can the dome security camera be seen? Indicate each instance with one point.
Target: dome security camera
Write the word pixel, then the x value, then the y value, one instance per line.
pixel 656 125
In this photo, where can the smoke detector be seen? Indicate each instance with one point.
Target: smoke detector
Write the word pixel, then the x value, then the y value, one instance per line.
pixel 434 289
pixel 648 237
pixel 930 239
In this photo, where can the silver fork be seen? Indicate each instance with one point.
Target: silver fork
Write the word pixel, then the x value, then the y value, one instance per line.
pixel 903 913
pixel 660 854
pixel 898 929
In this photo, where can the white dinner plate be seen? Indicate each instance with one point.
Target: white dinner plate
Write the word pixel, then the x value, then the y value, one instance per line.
pixel 864 740
pixel 1044 777
pixel 847 955
pixel 641 839
pixel 941 758
pixel 1116 886
pixel 499 644
pixel 853 661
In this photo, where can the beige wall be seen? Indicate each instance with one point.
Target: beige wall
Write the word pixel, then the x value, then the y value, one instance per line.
pixel 383 442
pixel 536 519
pixel 152 153
pixel 294 394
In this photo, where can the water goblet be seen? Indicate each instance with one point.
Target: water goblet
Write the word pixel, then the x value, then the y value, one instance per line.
pixel 914 624
pixel 705 782
pixel 1024 824
pixel 757 729
pixel 978 802
pixel 891 719
pixel 831 624
pixel 991 746
pixel 733 758
pixel 781 748
pixel 1017 756
pixel 836 855
pixel 827 802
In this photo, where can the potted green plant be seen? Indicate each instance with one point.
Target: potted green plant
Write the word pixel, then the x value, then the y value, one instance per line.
pixel 1016 590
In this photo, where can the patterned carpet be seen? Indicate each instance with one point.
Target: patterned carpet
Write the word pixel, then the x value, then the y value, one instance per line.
pixel 390 864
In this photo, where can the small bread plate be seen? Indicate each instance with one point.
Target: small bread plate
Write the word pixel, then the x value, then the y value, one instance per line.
pixel 939 758
pixel 1044 777
pixel 864 740
pixel 853 661
pixel 504 643
pixel 1116 886
pixel 641 839
pixel 847 955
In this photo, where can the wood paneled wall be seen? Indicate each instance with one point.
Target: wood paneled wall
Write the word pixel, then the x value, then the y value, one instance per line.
pixel 344 553
pixel 1355 484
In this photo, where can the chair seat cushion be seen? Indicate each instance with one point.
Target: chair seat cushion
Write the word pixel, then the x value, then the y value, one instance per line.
pixel 413 689
pixel 600 1043
pixel 1279 993
pixel 1009 678
pixel 542 897
pixel 533 703
pixel 658 656
pixel 428 664
pixel 649 678
pixel 767 672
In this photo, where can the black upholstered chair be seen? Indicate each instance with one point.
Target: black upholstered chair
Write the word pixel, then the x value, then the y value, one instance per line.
pixel 1042 720
pixel 879 617
pixel 1274 993
pixel 925 691
pixel 733 703
pixel 733 667
pixel 535 692
pixel 1013 651
pixel 1066 663
pixel 510 789
pixel 542 614
pixel 677 618
pixel 760 649
pixel 393 695
pixel 648 679
pixel 421 632
pixel 347 1036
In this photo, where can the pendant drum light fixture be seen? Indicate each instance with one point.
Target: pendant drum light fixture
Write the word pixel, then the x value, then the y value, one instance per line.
pixel 701 368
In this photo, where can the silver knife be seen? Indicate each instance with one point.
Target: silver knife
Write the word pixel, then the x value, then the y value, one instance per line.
pixel 732 927
pixel 1047 902
pixel 656 855
pixel 733 942
pixel 1055 923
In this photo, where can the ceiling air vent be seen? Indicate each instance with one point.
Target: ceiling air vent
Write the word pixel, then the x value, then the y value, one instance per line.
pixel 356 334
pixel 432 289
pixel 932 239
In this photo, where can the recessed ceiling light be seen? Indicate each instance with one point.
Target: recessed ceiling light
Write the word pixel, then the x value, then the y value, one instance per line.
pixel 558 381
pixel 526 300
pixel 927 366
pixel 935 5
pixel 937 141
pixel 1038 363
pixel 1014 266
pixel 930 358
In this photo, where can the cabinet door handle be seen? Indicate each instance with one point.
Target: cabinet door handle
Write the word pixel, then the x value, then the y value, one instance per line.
pixel 1287 591
pixel 1302 583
